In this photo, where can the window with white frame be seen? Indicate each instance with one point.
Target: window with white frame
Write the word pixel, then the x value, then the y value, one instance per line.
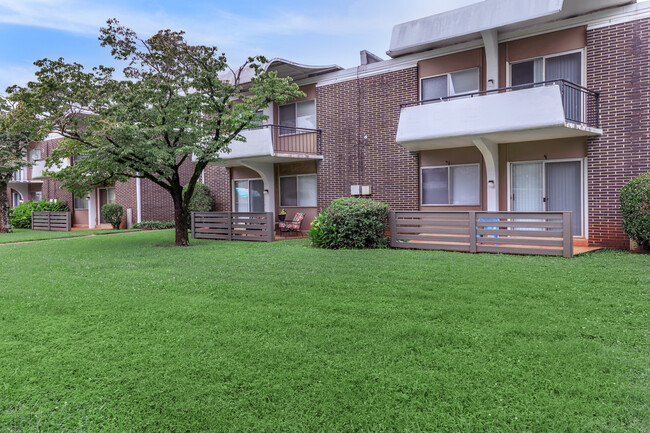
pixel 81 203
pixel 34 155
pixel 451 185
pixel 16 198
pixel 297 115
pixel 298 191
pixel 452 84
pixel 36 195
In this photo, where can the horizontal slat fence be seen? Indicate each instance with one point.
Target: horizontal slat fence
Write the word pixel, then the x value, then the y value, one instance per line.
pixel 545 233
pixel 234 226
pixel 52 221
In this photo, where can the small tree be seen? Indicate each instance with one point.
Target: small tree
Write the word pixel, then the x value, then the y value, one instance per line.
pixel 112 213
pixel 17 129
pixel 175 105
pixel 635 207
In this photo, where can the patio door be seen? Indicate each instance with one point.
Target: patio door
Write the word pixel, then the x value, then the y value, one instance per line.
pixel 249 195
pixel 548 187
pixel 106 195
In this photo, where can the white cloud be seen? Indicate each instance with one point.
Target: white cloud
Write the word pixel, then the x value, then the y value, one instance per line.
pixel 15 74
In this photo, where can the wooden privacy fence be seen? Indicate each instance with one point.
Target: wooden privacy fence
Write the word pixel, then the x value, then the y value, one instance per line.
pixel 536 233
pixel 52 221
pixel 234 226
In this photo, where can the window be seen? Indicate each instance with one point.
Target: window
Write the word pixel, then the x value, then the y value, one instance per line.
pixel 451 185
pixel 256 122
pixel 35 155
pixel 81 203
pixel 455 83
pixel 36 195
pixel 298 191
pixel 297 115
pixel 17 199
pixel 563 67
pixel 249 195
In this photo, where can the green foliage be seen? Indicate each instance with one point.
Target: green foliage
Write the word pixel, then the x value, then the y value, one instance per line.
pixel 635 206
pixel 153 225
pixel 21 215
pixel 112 213
pixel 201 200
pixel 177 102
pixel 351 223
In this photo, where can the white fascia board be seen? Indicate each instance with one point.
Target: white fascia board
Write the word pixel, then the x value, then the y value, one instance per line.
pixel 467 21
pixel 594 20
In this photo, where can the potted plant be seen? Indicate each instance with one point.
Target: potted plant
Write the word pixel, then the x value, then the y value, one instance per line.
pixel 282 215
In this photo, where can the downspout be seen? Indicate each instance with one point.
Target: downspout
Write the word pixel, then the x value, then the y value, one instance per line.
pixel 138 199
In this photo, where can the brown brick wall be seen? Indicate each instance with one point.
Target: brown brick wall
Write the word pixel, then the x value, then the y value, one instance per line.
pixel 157 203
pixel 618 65
pixel 369 107
pixel 217 178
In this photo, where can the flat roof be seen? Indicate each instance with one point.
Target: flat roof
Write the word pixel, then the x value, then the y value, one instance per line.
pixel 467 23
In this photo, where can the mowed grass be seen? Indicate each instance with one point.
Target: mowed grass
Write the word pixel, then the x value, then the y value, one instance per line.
pixel 26 235
pixel 122 333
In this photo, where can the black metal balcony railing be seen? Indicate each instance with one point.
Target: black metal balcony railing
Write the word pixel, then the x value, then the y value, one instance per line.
pixel 288 139
pixel 581 105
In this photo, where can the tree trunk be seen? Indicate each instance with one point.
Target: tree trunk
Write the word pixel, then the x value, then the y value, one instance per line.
pixel 180 220
pixel 5 223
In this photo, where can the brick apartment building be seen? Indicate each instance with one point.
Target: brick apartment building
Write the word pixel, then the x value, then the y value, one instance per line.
pixel 500 105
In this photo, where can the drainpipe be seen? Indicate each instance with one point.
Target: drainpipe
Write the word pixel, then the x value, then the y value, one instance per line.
pixel 138 200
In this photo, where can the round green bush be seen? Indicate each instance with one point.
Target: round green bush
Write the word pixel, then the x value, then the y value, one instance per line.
pixel 112 213
pixel 635 206
pixel 201 199
pixel 21 215
pixel 351 223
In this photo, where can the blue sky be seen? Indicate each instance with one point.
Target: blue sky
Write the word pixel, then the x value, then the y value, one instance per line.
pixel 310 32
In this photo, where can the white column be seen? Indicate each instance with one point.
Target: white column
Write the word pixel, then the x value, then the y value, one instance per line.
pixel 267 173
pixel 93 209
pixel 490 152
pixel 491 42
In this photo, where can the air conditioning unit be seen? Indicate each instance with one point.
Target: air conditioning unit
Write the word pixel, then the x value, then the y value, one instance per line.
pixel 365 190
pixel 355 190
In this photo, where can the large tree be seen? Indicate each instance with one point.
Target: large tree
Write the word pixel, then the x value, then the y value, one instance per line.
pixel 17 130
pixel 178 102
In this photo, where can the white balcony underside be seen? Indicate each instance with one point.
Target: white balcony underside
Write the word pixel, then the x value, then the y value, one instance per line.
pixel 39 168
pixel 275 158
pixel 518 116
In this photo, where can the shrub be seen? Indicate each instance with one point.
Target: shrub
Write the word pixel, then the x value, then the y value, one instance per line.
pixel 351 223
pixel 112 214
pixel 201 200
pixel 21 215
pixel 154 225
pixel 635 206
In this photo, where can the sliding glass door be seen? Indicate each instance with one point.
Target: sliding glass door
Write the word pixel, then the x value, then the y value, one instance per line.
pixel 548 186
pixel 249 195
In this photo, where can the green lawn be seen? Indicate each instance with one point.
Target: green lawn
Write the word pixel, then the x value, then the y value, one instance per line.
pixel 121 333
pixel 26 235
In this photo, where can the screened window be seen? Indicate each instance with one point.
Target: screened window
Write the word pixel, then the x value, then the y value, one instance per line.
pixel 453 84
pixel 297 115
pixel 36 195
pixel 451 185
pixel 298 191
pixel 81 203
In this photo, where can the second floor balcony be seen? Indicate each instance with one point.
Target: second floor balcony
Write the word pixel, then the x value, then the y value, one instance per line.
pixel 531 112
pixel 276 143
pixel 38 169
